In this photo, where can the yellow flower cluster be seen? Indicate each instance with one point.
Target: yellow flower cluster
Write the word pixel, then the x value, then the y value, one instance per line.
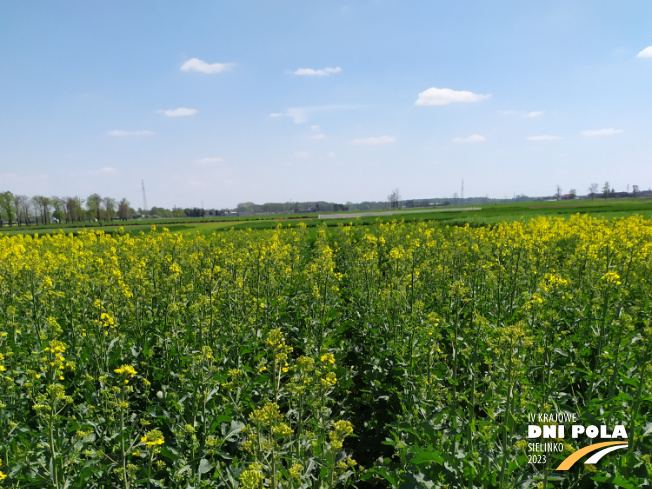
pixel 280 350
pixel 266 415
pixel 252 478
pixel 153 438
pixel 55 360
pixel 611 278
pixel 328 358
pixel 341 429
pixel 329 380
pixel 126 370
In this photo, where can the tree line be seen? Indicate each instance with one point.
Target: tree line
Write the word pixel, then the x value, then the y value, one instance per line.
pixel 24 210
pixel 607 192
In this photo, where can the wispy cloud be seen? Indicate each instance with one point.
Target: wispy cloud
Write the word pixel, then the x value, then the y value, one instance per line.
pixel 601 132
pixel 106 171
pixel 374 141
pixel 543 137
pixel 319 72
pixel 474 138
pixel 445 96
pixel 646 53
pixel 209 161
pixel 303 154
pixel 123 133
pixel 195 64
pixel 180 112
pixel 533 114
pixel 317 134
pixel 301 114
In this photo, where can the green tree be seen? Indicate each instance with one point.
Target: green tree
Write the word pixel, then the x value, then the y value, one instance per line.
pixel 72 206
pixel 124 209
pixel 21 204
pixel 394 199
pixel 606 189
pixel 94 205
pixel 178 212
pixel 42 206
pixel 109 207
pixel 7 209
pixel 58 212
pixel 593 189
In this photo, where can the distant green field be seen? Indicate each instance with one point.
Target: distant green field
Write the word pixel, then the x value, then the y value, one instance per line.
pixel 488 215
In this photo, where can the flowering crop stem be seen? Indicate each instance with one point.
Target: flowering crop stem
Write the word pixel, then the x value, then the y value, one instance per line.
pixel 122 441
pixel 52 449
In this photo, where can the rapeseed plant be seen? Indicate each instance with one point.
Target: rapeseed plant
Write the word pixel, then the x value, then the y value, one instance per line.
pixel 434 341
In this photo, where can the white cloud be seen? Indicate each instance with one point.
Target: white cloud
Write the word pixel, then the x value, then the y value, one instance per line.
pixel 374 141
pixel 445 96
pixel 195 64
pixel 300 114
pixel 180 112
pixel 317 134
pixel 474 138
pixel 122 133
pixel 601 132
pixel 533 114
pixel 302 154
pixel 320 72
pixel 646 53
pixel 543 137
pixel 106 171
pixel 208 161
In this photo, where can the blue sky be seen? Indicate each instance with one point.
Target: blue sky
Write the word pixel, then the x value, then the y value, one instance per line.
pixel 221 102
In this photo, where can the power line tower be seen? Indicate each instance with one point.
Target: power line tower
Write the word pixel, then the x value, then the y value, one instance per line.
pixel 462 188
pixel 144 197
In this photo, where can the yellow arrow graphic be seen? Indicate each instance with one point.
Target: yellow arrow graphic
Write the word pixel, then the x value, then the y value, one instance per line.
pixel 571 459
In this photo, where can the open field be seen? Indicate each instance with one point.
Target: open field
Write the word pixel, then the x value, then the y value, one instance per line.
pixel 389 354
pixel 396 212
pixel 484 216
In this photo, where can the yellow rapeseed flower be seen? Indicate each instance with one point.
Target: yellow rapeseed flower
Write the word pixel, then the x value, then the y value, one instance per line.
pixel 126 370
pixel 153 438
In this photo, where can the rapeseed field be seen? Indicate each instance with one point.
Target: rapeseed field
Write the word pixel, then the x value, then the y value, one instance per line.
pixel 389 355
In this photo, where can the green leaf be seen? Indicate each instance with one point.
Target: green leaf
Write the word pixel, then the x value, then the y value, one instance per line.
pixel 617 480
pixel 427 457
pixel 383 472
pixel 235 428
pixel 204 466
pixel 648 429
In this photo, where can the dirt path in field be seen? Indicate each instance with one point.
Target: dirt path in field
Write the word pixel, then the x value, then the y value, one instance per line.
pixel 389 213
